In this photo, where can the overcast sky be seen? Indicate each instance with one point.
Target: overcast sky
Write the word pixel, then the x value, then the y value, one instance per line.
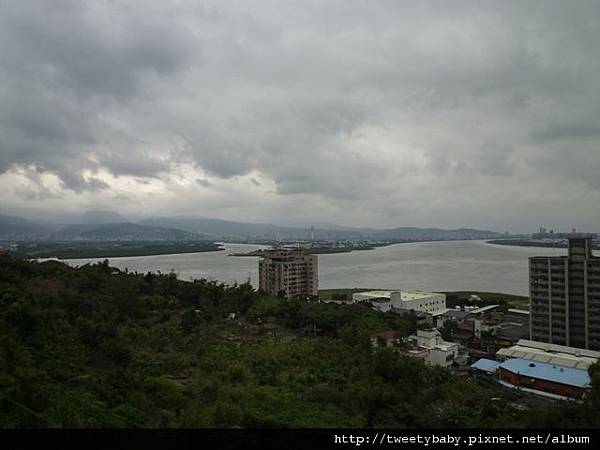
pixel 370 113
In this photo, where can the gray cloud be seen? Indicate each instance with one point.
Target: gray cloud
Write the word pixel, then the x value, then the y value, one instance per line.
pixel 400 109
pixel 68 68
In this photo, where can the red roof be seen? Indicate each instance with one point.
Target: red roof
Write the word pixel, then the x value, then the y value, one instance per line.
pixel 387 335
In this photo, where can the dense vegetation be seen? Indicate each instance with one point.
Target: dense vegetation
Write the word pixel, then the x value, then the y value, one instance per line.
pixel 110 249
pixel 95 347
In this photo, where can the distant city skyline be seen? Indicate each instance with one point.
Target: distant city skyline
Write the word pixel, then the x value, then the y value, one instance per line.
pixel 365 114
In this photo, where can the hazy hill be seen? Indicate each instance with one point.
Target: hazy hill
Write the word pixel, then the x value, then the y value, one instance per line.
pixel 435 233
pixel 93 226
pixel 227 229
pixel 101 216
pixel 13 227
pixel 124 232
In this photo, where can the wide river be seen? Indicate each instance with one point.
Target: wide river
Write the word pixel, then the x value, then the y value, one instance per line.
pixel 436 266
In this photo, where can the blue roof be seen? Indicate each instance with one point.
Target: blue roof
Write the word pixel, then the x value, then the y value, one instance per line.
pixel 549 372
pixel 486 365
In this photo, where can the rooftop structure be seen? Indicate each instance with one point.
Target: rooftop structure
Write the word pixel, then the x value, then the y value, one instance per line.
pixel 429 302
pixel 551 354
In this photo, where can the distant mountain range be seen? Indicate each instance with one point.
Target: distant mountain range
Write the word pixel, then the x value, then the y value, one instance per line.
pixel 104 225
pixel 14 228
pixel 226 229
pixel 101 216
pixel 123 232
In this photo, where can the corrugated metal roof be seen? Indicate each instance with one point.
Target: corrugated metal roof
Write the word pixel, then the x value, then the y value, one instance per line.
pixel 559 348
pixel 487 365
pixel 536 354
pixel 549 372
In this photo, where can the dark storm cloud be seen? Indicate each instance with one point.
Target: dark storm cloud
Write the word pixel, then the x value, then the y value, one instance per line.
pixel 65 67
pixel 407 110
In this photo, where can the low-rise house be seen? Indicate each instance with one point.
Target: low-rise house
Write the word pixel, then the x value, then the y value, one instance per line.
pixel 429 345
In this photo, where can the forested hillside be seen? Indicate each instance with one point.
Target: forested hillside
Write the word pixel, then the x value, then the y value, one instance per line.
pixel 97 347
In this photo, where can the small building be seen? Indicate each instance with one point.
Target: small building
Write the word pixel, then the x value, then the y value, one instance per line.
pixel 473 326
pixel 430 302
pixel 452 314
pixel 429 345
pixel 509 333
pixel 544 378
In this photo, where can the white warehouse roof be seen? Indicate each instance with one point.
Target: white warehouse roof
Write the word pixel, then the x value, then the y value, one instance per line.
pixel 404 295
pixel 543 352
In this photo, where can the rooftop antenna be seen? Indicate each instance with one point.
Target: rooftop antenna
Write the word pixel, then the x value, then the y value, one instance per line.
pixel 312 236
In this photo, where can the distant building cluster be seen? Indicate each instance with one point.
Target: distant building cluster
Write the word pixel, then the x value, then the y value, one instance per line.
pixel 544 234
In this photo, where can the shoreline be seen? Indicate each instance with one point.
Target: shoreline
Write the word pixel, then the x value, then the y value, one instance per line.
pixel 68 251
pixel 326 250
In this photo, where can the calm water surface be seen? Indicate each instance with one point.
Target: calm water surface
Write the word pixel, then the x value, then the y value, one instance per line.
pixel 445 266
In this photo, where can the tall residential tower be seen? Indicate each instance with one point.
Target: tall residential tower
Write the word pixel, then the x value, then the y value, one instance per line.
pixel 564 294
pixel 293 272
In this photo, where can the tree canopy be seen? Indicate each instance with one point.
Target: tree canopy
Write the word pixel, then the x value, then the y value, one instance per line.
pixel 98 347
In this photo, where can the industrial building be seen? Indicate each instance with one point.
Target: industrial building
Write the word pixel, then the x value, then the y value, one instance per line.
pixel 560 355
pixel 543 377
pixel 565 297
pixel 291 272
pixel 428 302
pixel 546 379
